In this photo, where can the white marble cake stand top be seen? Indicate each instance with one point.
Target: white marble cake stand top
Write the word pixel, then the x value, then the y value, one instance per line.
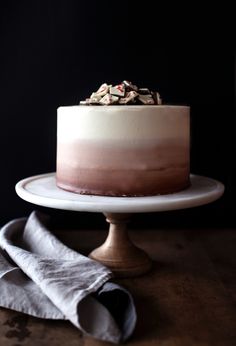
pixel 42 190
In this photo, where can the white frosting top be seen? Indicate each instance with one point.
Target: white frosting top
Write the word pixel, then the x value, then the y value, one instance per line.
pixel 123 122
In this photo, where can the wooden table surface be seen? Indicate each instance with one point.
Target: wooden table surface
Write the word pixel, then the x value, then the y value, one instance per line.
pixel 188 299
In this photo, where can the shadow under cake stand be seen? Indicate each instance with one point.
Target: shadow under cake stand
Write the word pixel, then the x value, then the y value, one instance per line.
pixel 118 252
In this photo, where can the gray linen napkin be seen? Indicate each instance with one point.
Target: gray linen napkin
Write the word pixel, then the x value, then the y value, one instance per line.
pixel 42 277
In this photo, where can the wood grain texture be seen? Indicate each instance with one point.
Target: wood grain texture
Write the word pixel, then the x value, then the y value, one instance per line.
pixel 118 252
pixel 187 299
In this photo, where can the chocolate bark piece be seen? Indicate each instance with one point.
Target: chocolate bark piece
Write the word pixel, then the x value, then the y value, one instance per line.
pixel 157 98
pixel 103 90
pixel 118 90
pixel 96 96
pixel 146 99
pixel 130 96
pixel 85 102
pixel 94 99
pixel 109 99
pixel 129 86
pixel 144 91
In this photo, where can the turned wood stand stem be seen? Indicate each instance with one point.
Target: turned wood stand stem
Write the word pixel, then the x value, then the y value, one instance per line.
pixel 118 252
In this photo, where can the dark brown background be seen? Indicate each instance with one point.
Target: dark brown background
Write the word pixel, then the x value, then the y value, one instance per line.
pixel 56 52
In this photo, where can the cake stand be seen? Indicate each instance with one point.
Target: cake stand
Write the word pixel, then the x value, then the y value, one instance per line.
pixel 118 252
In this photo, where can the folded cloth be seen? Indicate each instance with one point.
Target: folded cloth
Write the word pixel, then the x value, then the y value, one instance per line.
pixel 42 277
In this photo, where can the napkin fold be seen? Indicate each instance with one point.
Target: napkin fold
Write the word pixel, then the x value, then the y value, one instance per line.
pixel 42 277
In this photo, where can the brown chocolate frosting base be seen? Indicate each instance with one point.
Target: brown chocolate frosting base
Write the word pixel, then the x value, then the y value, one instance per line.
pixel 121 192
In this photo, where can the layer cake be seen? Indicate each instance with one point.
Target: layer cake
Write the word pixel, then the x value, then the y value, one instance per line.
pixel 123 150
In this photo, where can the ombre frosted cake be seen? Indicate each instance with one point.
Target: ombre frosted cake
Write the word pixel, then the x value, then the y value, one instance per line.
pixel 123 150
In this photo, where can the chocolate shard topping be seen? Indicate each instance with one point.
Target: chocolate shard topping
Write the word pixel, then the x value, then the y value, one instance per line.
pixel 125 93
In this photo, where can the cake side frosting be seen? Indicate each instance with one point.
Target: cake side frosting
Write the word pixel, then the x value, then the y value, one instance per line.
pixel 122 122
pixel 123 150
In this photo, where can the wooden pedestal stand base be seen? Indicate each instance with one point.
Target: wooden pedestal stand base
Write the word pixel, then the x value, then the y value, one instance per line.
pixel 118 252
